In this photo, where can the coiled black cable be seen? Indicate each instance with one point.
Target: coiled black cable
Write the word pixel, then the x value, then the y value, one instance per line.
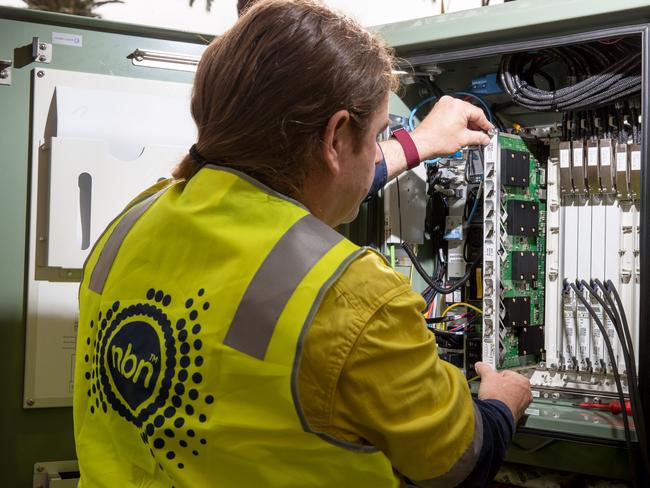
pixel 431 282
pixel 595 76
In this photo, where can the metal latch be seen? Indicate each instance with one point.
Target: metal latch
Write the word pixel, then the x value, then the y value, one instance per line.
pixel 41 51
pixel 5 71
pixel 165 60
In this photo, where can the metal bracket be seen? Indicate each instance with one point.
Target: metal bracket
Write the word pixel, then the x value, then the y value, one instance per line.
pixel 159 59
pixel 59 474
pixel 5 71
pixel 41 51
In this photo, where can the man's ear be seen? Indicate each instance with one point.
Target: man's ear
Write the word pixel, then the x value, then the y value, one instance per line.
pixel 334 140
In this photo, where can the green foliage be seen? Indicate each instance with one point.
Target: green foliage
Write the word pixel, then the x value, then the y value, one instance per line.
pixel 73 7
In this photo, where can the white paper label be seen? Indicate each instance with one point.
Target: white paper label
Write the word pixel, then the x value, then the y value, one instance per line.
pixel 569 327
pixel 532 411
pixel 489 152
pixel 635 160
pixel 583 331
pixel 457 296
pixel 565 158
pixel 592 156
pixel 605 156
pixel 597 337
pixel 578 155
pixel 621 161
pixel 67 39
pixel 535 393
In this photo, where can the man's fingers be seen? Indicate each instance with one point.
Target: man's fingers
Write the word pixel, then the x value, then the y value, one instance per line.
pixel 476 118
pixel 475 138
pixel 483 369
pixel 473 126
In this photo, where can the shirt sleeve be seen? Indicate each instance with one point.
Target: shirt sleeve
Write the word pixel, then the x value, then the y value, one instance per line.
pixel 498 431
pixel 371 374
pixel 399 396
pixel 380 179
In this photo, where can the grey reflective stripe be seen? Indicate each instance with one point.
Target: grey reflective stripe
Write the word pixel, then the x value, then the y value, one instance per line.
pixel 465 464
pixel 114 242
pixel 299 249
pixel 350 446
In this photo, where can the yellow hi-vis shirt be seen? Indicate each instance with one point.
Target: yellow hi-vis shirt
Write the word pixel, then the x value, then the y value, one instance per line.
pixel 370 373
pixel 193 310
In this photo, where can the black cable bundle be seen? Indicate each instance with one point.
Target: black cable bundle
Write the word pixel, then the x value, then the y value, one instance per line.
pixel 597 76
pixel 614 310
pixel 431 281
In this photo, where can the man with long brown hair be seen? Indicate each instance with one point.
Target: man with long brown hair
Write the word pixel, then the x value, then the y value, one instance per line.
pixel 242 5
pixel 229 336
pixel 391 160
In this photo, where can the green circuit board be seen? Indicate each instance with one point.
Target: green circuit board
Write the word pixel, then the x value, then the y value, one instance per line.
pixel 511 357
pixel 530 290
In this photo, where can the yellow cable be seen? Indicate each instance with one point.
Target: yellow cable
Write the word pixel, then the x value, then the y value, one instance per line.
pixel 473 379
pixel 461 304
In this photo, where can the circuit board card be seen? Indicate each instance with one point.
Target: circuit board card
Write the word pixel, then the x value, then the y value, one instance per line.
pixel 514 256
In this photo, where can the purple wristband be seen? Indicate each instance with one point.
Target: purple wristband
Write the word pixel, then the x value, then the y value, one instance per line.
pixel 410 151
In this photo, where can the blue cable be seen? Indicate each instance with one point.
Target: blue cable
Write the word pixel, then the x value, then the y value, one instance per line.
pixel 411 124
pixel 480 100
pixel 422 103
pixel 416 109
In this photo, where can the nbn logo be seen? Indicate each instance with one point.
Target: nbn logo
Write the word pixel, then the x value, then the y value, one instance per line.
pixel 134 362
pixel 130 366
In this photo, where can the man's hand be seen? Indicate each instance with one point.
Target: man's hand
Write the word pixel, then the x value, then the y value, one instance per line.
pixel 511 388
pixel 451 124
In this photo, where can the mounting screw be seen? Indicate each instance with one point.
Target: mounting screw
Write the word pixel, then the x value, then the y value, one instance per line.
pixel 40 74
pixel 42 58
pixel 3 74
pixel 30 402
pixel 42 46
pixel 40 468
